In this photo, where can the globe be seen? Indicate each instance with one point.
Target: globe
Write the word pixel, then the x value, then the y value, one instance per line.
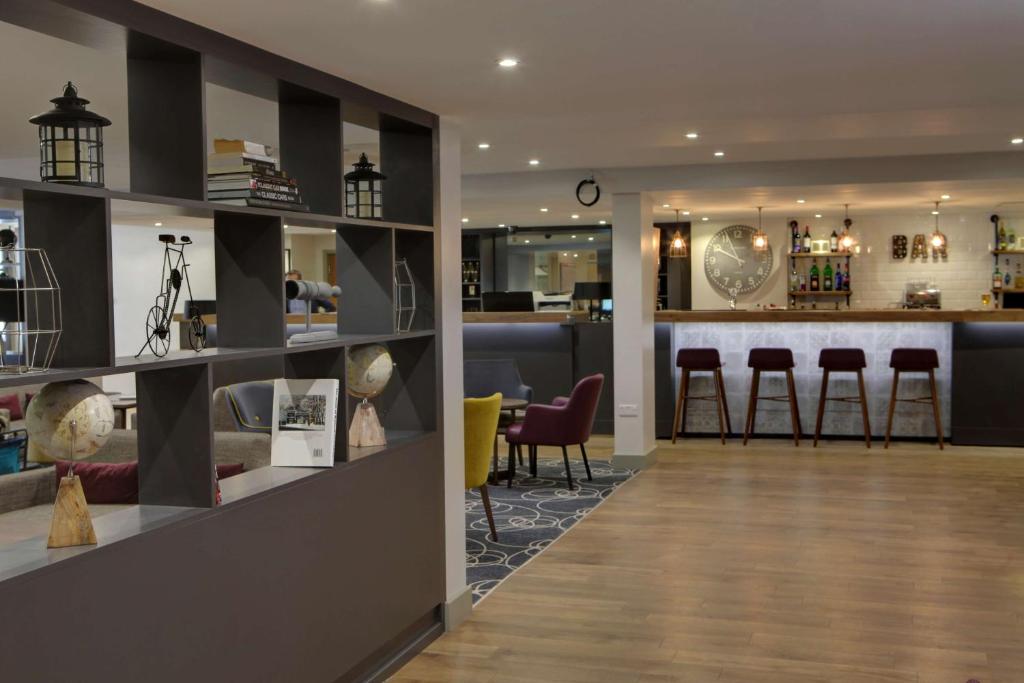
pixel 368 370
pixel 49 416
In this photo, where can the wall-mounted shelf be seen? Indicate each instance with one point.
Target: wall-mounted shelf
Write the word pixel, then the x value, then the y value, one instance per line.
pixel 825 254
pixel 1008 252
pixel 822 293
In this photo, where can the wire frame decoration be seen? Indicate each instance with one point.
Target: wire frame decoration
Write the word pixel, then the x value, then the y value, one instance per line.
pixel 30 308
pixel 405 297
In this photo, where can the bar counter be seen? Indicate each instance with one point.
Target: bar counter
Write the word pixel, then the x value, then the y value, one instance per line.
pixel 981 354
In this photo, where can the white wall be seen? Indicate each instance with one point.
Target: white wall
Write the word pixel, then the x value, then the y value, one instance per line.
pixel 877 278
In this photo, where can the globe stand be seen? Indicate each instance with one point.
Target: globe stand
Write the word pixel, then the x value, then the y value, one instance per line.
pixel 366 429
pixel 71 523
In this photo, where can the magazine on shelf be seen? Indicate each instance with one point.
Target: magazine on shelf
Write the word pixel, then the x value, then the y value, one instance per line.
pixel 304 422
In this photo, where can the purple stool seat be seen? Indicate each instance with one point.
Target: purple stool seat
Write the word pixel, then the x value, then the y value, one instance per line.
pixel 771 360
pixel 842 360
pixel 914 360
pixel 698 359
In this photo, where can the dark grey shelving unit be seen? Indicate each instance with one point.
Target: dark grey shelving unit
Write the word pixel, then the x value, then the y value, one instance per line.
pixel 351 592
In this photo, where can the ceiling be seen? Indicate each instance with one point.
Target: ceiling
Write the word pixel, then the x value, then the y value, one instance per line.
pixel 606 83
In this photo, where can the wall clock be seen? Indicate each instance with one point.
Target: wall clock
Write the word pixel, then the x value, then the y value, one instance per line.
pixel 731 264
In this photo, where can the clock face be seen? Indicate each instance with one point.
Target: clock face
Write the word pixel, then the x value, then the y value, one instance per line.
pixel 732 265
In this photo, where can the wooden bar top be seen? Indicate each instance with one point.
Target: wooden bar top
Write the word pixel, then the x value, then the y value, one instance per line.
pixel 887 315
pixel 524 316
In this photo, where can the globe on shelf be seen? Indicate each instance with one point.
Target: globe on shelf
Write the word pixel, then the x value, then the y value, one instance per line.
pixel 51 412
pixel 367 373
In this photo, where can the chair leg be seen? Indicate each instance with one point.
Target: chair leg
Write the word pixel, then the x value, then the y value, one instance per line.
pixel 494 473
pixel 568 471
pixel 725 401
pixel 864 408
pixel 748 429
pixel 892 406
pixel 533 460
pixel 686 399
pixel 935 407
pixel 586 463
pixel 679 405
pixel 822 396
pixel 511 463
pixel 794 408
pixel 718 406
pixel 486 498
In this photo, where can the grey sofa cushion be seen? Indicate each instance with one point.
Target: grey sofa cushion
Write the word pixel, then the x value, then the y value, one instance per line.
pixel 26 489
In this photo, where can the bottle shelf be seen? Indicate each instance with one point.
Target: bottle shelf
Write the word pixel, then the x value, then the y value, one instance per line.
pixel 826 254
pixel 1008 252
pixel 821 293
pixel 1008 290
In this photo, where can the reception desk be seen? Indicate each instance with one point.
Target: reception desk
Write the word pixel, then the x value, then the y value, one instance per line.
pixel 981 355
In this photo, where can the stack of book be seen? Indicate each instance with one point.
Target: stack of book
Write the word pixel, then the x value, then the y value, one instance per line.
pixel 246 173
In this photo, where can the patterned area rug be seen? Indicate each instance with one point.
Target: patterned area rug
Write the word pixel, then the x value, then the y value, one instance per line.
pixel 531 516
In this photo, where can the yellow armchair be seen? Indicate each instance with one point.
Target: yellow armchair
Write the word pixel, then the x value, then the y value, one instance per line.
pixel 480 430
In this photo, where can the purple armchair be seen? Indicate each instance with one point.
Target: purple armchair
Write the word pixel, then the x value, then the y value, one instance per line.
pixel 566 422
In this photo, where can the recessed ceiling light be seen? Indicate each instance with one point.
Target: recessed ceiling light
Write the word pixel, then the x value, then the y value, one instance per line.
pixel 704 218
pixel 935 212
pixel 465 220
pixel 692 135
pixel 572 236
pixel 590 239
pixel 534 162
pixel 565 253
pixel 527 241
pixel 801 201
pixel 601 223
pixel 666 206
pixel 575 216
pixel 508 62
pixel 686 213
pixel 575 255
pixel 334 230
pixel 286 225
pixel 544 209
pixel 158 224
pixel 719 154
pixel 945 196
pixel 1017 141
pixel 501 225
pixel 817 215
pixel 484 145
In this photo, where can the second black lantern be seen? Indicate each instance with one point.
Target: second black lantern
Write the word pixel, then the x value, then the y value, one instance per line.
pixel 363 190
pixel 71 141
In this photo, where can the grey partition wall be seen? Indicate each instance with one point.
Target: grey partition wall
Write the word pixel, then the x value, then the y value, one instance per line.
pixel 292 574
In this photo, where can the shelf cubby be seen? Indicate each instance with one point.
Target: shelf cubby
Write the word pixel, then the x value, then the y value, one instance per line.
pixel 166 128
pixel 409 403
pixel 318 364
pixel 407 159
pixel 311 145
pixel 417 248
pixel 366 262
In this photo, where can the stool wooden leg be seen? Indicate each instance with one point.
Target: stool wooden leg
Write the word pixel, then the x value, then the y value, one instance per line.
pixel 892 406
pixel 794 408
pixel 748 429
pixel 511 463
pixel 686 399
pixel 679 405
pixel 821 406
pixel 935 407
pixel 864 408
pixel 719 395
pixel 725 401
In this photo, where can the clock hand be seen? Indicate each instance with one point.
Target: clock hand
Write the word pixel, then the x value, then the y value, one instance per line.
pixel 718 248
pixel 732 248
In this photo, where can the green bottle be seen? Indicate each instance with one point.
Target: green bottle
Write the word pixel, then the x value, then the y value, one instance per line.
pixel 828 276
pixel 815 276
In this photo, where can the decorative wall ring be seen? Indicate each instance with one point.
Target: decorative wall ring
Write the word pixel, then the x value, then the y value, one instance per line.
pixel 597 191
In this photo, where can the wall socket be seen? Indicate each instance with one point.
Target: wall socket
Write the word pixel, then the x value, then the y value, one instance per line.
pixel 628 410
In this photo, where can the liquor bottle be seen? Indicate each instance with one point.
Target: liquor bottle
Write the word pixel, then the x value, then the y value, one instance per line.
pixel 1018 280
pixel 1011 238
pixel 803 282
pixel 794 280
pixel 815 283
pixel 846 278
pixel 997 280
pixel 795 244
pixel 807 239
pixel 1002 235
pixel 833 242
pixel 839 278
pixel 828 276
pixel 1007 279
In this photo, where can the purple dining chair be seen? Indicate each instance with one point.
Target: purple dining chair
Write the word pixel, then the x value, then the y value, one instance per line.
pixel 566 422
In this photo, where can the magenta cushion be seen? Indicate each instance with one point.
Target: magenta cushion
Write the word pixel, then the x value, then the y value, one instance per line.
pixel 225 471
pixel 12 403
pixel 105 483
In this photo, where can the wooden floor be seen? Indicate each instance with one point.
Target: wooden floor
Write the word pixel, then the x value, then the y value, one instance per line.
pixel 769 563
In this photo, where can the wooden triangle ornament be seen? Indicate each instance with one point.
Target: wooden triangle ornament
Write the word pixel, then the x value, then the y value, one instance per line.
pixel 71 524
pixel 366 429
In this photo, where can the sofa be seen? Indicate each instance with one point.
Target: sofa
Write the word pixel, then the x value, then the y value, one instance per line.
pixel 26 498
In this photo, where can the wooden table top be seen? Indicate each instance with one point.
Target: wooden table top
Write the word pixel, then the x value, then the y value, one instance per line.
pixel 513 403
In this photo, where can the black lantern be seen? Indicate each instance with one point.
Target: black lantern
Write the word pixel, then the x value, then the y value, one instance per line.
pixel 71 141
pixel 362 190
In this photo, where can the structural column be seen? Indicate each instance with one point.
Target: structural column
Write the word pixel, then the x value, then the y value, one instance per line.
pixel 458 597
pixel 634 270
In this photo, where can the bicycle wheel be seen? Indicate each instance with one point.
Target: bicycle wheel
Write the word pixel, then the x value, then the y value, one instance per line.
pixel 197 333
pixel 158 335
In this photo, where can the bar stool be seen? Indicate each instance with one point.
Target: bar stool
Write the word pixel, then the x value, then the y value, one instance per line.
pixel 772 360
pixel 700 360
pixel 843 360
pixel 921 361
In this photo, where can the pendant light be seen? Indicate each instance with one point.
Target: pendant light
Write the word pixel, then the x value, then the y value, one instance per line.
pixel 677 249
pixel 760 238
pixel 846 241
pixel 938 240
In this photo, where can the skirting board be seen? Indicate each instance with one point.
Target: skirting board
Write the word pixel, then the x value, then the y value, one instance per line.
pixel 458 609
pixel 636 462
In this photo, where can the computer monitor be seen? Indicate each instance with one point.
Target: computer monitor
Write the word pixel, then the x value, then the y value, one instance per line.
pixel 606 305
pixel 508 301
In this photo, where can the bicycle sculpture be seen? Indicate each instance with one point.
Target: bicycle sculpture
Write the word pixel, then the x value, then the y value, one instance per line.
pixel 158 320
